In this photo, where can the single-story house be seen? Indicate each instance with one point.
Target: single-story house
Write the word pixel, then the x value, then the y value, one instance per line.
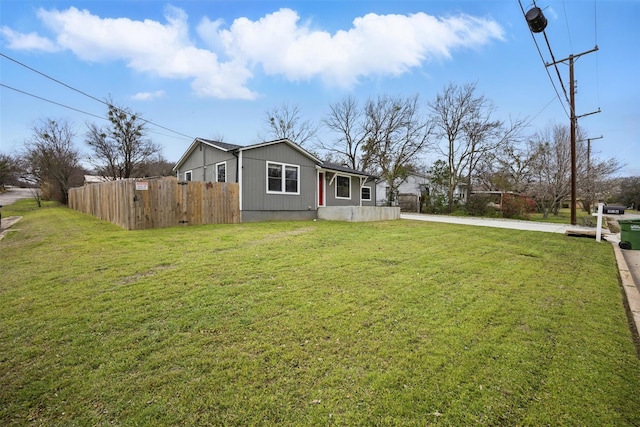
pixel 278 180
pixel 415 184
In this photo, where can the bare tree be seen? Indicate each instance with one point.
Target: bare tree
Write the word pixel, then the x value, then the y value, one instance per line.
pixel 50 159
pixel 592 175
pixel 551 169
pixel 397 132
pixel 346 119
pixel 464 123
pixel 120 149
pixel 9 170
pixel 629 193
pixel 483 137
pixel 158 166
pixel 285 122
pixel 507 168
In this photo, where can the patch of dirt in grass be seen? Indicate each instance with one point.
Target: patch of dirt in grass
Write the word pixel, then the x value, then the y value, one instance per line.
pixel 276 236
pixel 127 280
pixel 612 224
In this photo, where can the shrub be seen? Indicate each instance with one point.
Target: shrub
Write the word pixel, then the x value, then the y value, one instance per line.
pixel 478 205
pixel 517 206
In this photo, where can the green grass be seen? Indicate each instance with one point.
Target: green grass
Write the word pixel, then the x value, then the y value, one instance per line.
pixel 564 217
pixel 309 323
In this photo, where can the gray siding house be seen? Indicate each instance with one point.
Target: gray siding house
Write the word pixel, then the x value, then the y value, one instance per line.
pixel 278 180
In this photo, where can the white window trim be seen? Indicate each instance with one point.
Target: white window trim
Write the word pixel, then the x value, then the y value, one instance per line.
pixel 363 199
pixel 225 171
pixel 284 175
pixel 190 175
pixel 349 178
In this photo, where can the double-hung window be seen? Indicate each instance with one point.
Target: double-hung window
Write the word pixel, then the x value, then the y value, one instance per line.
pixel 221 172
pixel 283 178
pixel 188 175
pixel 343 187
pixel 366 193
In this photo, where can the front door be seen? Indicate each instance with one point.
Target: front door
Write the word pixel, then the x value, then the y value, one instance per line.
pixel 320 188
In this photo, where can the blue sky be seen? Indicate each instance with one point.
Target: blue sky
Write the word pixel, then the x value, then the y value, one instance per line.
pixel 213 68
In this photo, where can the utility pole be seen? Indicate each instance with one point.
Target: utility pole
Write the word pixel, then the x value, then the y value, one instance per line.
pixel 589 181
pixel 574 125
pixel 537 24
pixel 589 154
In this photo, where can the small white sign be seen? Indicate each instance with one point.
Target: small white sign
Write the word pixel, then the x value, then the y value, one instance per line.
pixel 142 185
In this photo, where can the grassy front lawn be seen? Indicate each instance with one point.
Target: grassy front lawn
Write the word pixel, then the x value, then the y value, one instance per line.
pixel 309 323
pixel 564 217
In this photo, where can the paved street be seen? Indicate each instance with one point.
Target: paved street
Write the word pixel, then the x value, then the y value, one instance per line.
pixel 13 194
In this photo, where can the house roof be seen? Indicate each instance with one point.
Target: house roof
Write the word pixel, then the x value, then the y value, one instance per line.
pixel 95 179
pixel 341 168
pixel 215 144
pixel 282 141
pixel 236 148
pixel 219 144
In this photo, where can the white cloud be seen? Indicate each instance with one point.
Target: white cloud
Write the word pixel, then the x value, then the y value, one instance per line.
pixel 375 45
pixel 31 41
pixel 148 96
pixel 278 43
pixel 148 46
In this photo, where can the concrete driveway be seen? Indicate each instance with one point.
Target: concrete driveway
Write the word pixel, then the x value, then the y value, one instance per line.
pixel 496 222
pixel 8 197
pixel 14 194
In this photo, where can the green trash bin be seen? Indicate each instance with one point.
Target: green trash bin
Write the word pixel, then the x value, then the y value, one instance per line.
pixel 629 233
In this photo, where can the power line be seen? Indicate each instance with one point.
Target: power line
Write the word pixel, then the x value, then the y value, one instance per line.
pixel 82 93
pixel 52 102
pixel 73 108
pixel 542 110
pixel 547 68
pixel 566 20
pixel 555 65
pixel 595 31
pixel 51 78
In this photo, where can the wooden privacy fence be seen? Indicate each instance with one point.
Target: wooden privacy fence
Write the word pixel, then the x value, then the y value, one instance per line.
pixel 137 204
pixel 409 202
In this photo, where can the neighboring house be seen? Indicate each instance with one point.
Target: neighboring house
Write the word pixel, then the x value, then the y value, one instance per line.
pixel 95 179
pixel 414 183
pixel 410 191
pixel 278 180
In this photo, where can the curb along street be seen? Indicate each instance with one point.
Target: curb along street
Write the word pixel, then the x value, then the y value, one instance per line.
pixel 629 286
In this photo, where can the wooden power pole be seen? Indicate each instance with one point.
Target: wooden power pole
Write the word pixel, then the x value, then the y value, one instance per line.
pixel 574 125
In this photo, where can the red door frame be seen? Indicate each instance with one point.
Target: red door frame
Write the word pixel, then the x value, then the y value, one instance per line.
pixel 320 188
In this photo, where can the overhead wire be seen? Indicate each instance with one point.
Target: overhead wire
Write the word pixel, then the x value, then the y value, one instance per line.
pixel 535 42
pixel 595 31
pixel 555 65
pixel 52 102
pixel 82 93
pixel 566 21
pixel 541 110
pixel 72 108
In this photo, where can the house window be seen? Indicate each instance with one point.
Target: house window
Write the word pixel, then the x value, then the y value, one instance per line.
pixel 221 172
pixel 343 187
pixel 188 175
pixel 283 178
pixel 366 193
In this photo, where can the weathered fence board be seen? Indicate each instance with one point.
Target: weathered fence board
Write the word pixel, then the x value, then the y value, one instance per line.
pixel 409 202
pixel 164 203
